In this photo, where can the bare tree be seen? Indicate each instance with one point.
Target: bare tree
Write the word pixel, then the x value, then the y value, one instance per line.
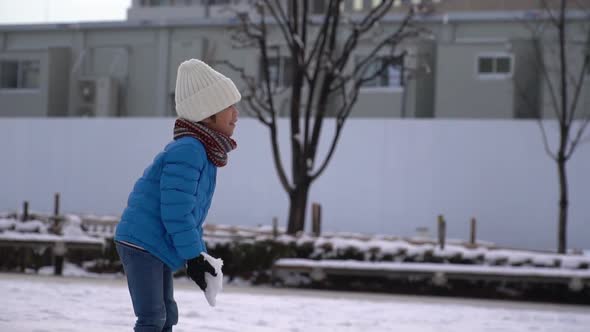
pixel 321 49
pixel 564 81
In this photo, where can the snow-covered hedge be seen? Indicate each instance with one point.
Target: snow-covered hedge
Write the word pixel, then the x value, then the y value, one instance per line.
pixel 378 249
pixel 250 252
pixel 253 257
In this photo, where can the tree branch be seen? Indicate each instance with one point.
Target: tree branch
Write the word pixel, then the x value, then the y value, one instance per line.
pixel 549 12
pixel 565 128
pixel 277 157
pixel 318 47
pixel 250 83
pixel 282 21
pixel 321 36
pixel 262 45
pixel 294 22
pixel 334 68
pixel 254 105
pixel 341 61
pixel 392 40
pixel 246 27
pixel 327 81
pixel 326 161
pixel 255 108
pixel 547 79
pixel 580 82
pixel 367 23
pixel 340 120
pixel 546 141
pixel 578 137
pixel 531 104
pixel 304 21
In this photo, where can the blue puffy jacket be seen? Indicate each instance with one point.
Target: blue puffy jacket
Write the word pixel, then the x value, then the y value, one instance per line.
pixel 168 204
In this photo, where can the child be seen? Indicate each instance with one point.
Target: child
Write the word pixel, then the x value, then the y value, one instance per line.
pixel 161 228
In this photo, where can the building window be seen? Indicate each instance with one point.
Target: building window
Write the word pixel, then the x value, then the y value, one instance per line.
pixel 19 74
pixel 391 77
pixel 280 71
pixel 494 66
pixel 358 5
pixel 155 3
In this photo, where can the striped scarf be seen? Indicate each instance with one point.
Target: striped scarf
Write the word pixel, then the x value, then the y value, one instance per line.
pixel 216 144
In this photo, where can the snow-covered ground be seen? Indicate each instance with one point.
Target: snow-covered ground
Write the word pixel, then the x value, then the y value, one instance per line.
pixel 42 303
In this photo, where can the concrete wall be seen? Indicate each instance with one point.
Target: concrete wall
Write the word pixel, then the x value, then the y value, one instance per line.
pixel 575 52
pixel 131 56
pixel 527 68
pixel 160 13
pixel 461 93
pixel 142 93
pixel 387 176
pixel 527 80
pixel 163 13
pixel 58 84
pixel 378 102
pixel 423 81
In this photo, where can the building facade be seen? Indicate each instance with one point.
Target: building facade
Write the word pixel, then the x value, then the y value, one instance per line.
pixel 479 63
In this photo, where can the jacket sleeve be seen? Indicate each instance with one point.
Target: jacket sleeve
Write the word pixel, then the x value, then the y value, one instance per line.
pixel 181 173
pixel 203 244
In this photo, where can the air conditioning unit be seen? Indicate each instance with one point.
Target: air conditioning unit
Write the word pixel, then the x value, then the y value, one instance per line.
pixel 97 96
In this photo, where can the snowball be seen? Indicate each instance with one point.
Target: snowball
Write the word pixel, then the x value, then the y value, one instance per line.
pixel 214 284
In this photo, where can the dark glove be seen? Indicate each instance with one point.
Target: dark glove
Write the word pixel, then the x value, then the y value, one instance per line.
pixel 196 268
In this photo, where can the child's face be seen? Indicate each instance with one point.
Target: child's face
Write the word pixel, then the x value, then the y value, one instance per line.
pixel 225 121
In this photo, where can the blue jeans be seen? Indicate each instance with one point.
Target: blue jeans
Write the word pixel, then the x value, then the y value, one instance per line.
pixel 150 286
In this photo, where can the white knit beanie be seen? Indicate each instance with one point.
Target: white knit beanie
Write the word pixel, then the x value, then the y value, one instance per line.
pixel 201 91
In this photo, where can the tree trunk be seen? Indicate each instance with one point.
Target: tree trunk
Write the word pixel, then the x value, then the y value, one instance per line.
pixel 297 208
pixel 563 206
pixel 564 134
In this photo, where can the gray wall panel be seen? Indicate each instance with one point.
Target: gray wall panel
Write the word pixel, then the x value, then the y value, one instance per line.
pixel 142 84
pixel 459 91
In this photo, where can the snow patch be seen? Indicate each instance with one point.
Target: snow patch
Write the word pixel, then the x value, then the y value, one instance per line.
pixel 72 227
pixel 432 267
pixel 31 226
pixel 7 224
pixel 73 270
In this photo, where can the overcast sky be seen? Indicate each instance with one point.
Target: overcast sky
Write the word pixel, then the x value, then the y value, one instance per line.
pixel 42 11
